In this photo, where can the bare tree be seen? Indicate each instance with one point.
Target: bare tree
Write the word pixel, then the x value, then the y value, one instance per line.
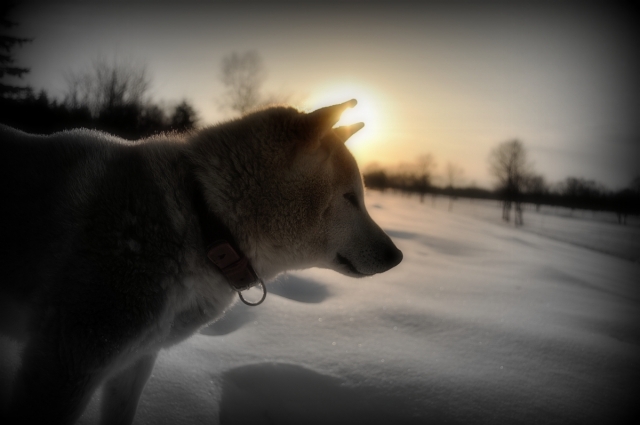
pixel 453 174
pixel 425 164
pixel 537 188
pixel 627 201
pixel 114 94
pixel 508 164
pixel 242 75
pixel 107 86
pixel 375 176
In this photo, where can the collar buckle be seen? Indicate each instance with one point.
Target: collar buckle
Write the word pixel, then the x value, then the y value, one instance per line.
pixel 235 267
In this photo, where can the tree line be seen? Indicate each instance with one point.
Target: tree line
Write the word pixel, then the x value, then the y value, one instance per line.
pixel 516 184
pixel 113 96
pixel 109 97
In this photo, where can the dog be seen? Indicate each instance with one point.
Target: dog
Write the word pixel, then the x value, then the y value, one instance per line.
pixel 113 250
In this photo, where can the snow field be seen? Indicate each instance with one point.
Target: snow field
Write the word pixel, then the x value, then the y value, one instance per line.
pixel 481 323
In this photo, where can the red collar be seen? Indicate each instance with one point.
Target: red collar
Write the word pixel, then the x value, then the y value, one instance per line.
pixel 222 252
pixel 235 267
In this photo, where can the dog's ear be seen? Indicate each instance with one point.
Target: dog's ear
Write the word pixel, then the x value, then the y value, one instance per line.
pixel 347 131
pixel 326 118
pixel 321 121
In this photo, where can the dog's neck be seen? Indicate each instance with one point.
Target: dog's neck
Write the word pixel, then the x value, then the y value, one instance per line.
pixel 221 249
pixel 233 192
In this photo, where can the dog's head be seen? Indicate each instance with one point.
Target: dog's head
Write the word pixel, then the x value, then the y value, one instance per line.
pixel 314 211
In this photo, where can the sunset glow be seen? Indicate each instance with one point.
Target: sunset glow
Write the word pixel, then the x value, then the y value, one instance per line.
pixel 445 79
pixel 371 110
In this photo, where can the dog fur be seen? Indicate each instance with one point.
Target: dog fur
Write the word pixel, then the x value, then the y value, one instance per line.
pixel 103 260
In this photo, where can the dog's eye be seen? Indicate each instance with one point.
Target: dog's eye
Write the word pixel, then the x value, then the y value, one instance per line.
pixel 352 198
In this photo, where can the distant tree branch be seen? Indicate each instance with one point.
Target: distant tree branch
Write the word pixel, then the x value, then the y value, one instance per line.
pixel 453 174
pixel 7 67
pixel 7 42
pixel 107 86
pixel 243 75
pixel 508 164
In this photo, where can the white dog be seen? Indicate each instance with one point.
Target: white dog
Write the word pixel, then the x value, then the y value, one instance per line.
pixel 113 250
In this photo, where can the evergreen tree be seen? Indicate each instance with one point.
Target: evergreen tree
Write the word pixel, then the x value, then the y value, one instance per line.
pixel 8 67
pixel 184 117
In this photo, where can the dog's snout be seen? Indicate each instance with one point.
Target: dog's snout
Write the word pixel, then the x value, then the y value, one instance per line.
pixel 393 256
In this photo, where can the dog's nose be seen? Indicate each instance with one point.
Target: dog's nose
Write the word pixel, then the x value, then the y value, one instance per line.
pixel 393 256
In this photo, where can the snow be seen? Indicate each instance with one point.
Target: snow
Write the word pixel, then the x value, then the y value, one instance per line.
pixel 481 323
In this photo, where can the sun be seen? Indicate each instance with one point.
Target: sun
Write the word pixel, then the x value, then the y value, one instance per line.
pixel 369 110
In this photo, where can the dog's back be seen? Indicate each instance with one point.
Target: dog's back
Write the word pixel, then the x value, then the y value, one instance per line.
pixel 34 171
pixel 88 241
pixel 62 198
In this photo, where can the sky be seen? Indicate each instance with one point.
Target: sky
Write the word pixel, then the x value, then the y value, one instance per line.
pixel 452 79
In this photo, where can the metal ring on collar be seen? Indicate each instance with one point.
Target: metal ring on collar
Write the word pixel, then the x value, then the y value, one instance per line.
pixel 264 295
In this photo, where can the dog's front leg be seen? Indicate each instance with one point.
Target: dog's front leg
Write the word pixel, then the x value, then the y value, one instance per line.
pixel 121 393
pixel 53 385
